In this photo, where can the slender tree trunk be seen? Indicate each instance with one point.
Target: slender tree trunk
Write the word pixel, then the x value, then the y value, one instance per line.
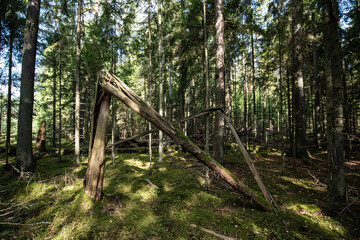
pixel 252 89
pixel 60 107
pixel 246 119
pixel 281 128
pixel 182 90
pixel 170 115
pixel 289 105
pixel 113 119
pixel 150 80
pixel 346 106
pixel 206 80
pixel 54 104
pixel 77 86
pixel 24 155
pixel 220 81
pixel 317 122
pixel 298 66
pixel 161 143
pixel 8 115
pixel 334 105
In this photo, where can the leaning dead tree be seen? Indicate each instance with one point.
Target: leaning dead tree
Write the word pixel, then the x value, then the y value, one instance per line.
pixel 94 175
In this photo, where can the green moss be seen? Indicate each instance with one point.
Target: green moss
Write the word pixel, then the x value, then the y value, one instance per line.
pixel 132 209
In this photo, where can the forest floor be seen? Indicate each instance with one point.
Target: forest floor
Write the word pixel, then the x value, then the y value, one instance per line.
pixel 51 204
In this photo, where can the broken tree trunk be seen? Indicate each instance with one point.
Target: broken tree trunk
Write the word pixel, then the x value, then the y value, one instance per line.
pixel 246 155
pixel 93 182
pixel 119 90
pixel 41 138
pixel 250 163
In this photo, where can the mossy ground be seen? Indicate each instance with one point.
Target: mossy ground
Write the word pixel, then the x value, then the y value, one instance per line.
pixel 52 204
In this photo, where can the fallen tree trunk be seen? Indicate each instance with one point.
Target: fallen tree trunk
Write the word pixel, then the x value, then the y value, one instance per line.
pixel 119 90
pixel 246 155
pixel 250 163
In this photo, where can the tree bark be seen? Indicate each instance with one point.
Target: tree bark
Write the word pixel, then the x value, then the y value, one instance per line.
pixel 220 81
pixel 41 138
pixel 24 155
pixel 298 71
pixel 317 122
pixel 334 105
pixel 246 121
pixel 54 105
pixel 207 102
pixel 60 107
pixel 77 87
pixel 161 143
pixel 252 89
pixel 206 80
pixel 94 177
pixel 8 114
pixel 150 80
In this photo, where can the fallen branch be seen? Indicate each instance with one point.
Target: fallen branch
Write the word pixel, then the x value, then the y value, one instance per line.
pixel 151 184
pixel 317 180
pixel 132 138
pixel 23 224
pixel 212 232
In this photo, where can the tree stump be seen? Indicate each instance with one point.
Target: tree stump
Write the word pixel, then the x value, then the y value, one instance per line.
pixel 41 138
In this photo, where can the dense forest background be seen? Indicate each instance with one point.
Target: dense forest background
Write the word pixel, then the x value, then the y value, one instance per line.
pixel 286 73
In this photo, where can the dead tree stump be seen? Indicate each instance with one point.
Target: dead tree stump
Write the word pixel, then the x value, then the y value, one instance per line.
pixel 41 138
pixel 94 176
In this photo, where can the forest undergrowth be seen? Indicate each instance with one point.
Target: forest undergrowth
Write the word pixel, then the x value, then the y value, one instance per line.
pixel 169 202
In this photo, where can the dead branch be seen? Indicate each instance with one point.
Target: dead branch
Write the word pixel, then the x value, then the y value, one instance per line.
pixel 212 232
pixel 23 224
pixel 151 184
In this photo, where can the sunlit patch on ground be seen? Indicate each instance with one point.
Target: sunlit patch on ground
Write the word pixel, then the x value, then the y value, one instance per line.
pixel 53 205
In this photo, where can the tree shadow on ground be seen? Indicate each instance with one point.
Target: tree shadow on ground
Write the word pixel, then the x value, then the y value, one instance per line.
pixel 132 209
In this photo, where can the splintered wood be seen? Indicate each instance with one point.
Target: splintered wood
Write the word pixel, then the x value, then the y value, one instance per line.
pixel 122 92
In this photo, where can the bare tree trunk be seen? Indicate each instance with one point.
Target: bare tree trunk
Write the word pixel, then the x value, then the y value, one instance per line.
pixel 220 81
pixel 150 80
pixel 161 143
pixel 317 127
pixel 334 105
pixel 60 107
pixel 280 122
pixel 8 115
pixel 289 101
pixel 252 90
pixel 206 80
pixel 94 176
pixel 298 65
pixel 246 119
pixel 24 155
pixel 54 104
pixel 77 87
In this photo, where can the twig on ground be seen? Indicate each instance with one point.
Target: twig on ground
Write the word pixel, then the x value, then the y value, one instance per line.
pixel 317 180
pixel 151 184
pixel 347 207
pixel 212 232
pixel 23 224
